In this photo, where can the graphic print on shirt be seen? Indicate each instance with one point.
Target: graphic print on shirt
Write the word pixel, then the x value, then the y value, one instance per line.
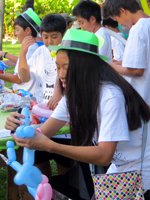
pixel 49 77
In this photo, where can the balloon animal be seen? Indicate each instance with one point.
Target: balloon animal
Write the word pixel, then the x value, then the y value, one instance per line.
pixel 28 174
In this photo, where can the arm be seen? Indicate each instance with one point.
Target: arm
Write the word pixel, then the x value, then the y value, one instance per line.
pixel 9 56
pixel 23 69
pixel 49 128
pixel 56 96
pixel 9 63
pixel 99 155
pixel 134 54
pixel 127 71
pixel 10 78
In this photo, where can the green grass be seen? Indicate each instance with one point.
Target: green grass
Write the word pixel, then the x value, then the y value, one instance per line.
pixel 12 49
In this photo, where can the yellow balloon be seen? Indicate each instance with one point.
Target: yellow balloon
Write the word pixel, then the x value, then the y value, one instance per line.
pixel 145 6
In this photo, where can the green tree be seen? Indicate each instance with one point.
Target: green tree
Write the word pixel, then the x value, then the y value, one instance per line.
pixel 2 6
pixel 14 7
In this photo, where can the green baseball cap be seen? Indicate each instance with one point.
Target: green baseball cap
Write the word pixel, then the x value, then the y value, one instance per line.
pixel 80 40
pixel 32 18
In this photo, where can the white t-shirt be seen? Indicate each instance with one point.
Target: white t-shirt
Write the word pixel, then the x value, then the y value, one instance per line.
pixel 136 55
pixel 28 86
pixel 113 127
pixel 106 49
pixel 117 47
pixel 43 67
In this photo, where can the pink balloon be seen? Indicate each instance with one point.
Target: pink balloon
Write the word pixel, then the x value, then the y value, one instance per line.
pixel 44 190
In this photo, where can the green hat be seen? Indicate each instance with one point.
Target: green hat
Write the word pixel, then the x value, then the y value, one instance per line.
pixel 80 40
pixel 32 18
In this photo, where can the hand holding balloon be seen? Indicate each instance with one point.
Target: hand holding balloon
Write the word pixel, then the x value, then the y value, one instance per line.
pixel 28 174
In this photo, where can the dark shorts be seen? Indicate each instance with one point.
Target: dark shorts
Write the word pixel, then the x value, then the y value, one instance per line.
pixel 41 156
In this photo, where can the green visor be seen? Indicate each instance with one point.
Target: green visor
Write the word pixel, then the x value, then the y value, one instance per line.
pixel 32 18
pixel 80 40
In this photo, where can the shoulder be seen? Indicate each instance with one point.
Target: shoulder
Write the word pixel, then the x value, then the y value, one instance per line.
pixel 111 90
pixel 140 26
pixel 102 32
pixel 111 94
pixel 33 47
pixel 40 51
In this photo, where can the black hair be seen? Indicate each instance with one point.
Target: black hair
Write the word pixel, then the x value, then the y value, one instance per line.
pixel 110 22
pixel 83 87
pixel 20 21
pixel 112 7
pixel 86 9
pixel 53 22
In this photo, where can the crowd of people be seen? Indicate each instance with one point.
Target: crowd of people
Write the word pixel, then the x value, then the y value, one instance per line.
pixel 92 81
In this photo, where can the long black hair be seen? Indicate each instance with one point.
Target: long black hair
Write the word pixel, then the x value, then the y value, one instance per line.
pixel 85 77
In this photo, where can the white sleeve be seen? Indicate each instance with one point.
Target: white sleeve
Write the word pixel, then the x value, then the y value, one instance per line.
pixel 33 61
pixel 61 111
pixel 113 125
pixel 106 49
pixel 135 51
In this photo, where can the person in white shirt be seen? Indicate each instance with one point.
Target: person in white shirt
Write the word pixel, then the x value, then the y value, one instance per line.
pixel 135 65
pixel 117 44
pixel 27 26
pixel 101 108
pixel 88 15
pixel 41 64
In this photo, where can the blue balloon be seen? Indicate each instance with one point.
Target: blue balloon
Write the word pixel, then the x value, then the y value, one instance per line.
pixel 27 173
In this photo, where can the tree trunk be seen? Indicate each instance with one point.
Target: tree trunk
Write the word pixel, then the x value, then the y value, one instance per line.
pixel 28 4
pixel 2 7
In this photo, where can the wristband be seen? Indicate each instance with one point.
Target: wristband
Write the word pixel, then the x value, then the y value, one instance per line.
pixel 39 130
pixel 4 56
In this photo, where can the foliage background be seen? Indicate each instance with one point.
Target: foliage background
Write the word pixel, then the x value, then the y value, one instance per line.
pixel 41 7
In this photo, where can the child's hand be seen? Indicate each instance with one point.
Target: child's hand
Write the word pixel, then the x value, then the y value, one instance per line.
pixel 38 142
pixel 13 121
pixel 53 102
pixel 26 43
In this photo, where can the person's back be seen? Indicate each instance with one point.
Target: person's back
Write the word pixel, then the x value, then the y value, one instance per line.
pixel 42 63
pixel 136 55
pixel 135 64
pixel 88 14
pixel 117 45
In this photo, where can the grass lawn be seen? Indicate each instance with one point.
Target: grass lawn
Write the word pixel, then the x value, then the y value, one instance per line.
pixel 13 49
